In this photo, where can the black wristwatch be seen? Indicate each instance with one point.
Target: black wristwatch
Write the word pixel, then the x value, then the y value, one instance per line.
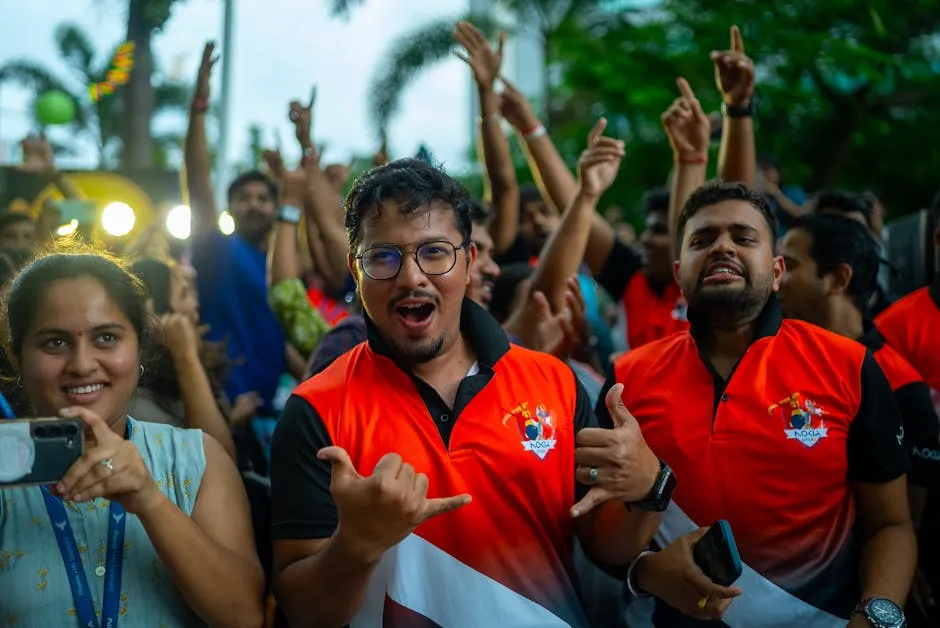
pixel 881 613
pixel 661 493
pixel 738 112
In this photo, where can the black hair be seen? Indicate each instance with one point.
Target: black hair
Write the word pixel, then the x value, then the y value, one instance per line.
pixel 156 277
pixel 841 240
pixel 529 193
pixel 480 213
pixel 413 185
pixel 71 260
pixel 505 287
pixel 160 376
pixel 844 202
pixel 245 178
pixel 8 219
pixel 656 200
pixel 714 192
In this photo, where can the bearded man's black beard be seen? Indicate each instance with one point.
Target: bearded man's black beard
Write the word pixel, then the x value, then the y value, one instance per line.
pixel 726 309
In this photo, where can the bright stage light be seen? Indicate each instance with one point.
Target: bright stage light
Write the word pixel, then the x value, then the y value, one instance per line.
pixel 118 219
pixel 179 222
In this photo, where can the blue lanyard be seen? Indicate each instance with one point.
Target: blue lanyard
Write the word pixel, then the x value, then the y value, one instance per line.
pixel 62 527
pixel 81 593
pixel 5 408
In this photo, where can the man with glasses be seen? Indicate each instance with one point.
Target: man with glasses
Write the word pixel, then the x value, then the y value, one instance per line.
pixel 387 510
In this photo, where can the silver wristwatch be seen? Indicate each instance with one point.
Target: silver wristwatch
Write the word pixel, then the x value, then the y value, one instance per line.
pixel 882 613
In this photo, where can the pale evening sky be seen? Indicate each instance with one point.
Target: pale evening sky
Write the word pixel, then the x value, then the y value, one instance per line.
pixel 282 47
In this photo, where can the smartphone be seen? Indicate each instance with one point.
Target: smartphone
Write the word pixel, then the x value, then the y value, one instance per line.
pixel 716 554
pixel 38 451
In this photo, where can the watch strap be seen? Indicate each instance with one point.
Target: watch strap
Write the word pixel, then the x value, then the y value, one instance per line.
pixel 289 213
pixel 738 112
pixel 661 494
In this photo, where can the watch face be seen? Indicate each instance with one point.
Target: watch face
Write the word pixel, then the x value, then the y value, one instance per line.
pixel 885 612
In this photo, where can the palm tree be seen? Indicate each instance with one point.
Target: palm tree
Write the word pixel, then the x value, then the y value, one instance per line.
pixel 433 42
pixel 100 121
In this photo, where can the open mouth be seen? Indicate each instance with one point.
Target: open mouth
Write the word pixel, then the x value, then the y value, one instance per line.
pixel 85 393
pixel 722 273
pixel 415 316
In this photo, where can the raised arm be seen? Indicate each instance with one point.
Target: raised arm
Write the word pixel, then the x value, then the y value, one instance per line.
pixel 688 130
pixel 497 161
pixel 323 204
pixel 199 402
pixel 734 74
pixel 562 255
pixel 196 151
pixel 552 175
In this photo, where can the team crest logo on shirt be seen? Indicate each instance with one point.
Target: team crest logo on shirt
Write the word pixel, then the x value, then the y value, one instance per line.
pixel 681 311
pixel 536 431
pixel 802 419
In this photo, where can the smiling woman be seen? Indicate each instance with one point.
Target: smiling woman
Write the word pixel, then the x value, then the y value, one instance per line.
pixel 77 327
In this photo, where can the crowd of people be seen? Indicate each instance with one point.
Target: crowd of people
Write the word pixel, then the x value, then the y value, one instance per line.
pixel 270 417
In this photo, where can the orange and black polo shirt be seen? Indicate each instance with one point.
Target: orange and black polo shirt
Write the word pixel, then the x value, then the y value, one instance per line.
pixel 921 426
pixel 912 327
pixel 508 441
pixel 771 448
pixel 651 312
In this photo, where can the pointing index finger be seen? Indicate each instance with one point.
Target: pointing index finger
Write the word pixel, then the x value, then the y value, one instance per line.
pixel 597 131
pixel 737 42
pixel 685 89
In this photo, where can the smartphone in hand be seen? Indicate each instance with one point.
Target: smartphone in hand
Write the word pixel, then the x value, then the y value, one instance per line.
pixel 38 451
pixel 716 554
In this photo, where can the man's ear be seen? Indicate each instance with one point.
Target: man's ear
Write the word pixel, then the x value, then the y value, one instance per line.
pixel 839 279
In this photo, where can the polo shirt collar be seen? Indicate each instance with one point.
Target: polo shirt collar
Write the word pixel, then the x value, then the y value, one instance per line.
pixel 872 340
pixel 486 337
pixel 766 324
pixel 935 291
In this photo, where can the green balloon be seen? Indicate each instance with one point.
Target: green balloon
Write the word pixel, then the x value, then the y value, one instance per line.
pixel 55 107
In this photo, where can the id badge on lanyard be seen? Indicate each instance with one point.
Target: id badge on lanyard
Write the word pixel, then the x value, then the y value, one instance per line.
pixel 81 592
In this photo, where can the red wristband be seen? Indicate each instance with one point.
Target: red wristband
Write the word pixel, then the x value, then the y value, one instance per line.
pixel 200 104
pixel 532 129
pixel 692 161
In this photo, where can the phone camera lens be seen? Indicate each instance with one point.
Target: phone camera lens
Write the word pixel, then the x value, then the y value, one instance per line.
pixel 55 430
pixel 40 432
pixel 71 430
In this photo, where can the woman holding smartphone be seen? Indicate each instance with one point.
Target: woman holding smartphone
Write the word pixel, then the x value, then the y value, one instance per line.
pixel 150 526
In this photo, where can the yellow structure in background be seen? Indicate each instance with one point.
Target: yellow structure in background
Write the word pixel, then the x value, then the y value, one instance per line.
pixel 105 188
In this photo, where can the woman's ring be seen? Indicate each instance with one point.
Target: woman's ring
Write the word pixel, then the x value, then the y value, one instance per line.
pixel 108 463
pixel 592 475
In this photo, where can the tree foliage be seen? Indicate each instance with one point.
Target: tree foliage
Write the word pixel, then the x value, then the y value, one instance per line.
pixel 98 121
pixel 847 91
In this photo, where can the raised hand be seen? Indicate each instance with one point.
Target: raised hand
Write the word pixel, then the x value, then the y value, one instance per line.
pixel 275 163
pixel 734 72
pixel 625 468
pixel 378 511
pixel 209 59
pixel 559 334
pixel 600 161
pixel 516 108
pixel 112 468
pixel 302 117
pixel 687 126
pixel 481 57
pixel 181 336
pixel 672 576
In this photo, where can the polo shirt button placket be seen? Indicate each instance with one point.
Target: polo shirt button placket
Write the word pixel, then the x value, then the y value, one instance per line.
pixel 445 418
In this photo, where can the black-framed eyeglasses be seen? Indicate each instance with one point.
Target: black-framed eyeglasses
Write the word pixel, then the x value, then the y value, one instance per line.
pixel 383 262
